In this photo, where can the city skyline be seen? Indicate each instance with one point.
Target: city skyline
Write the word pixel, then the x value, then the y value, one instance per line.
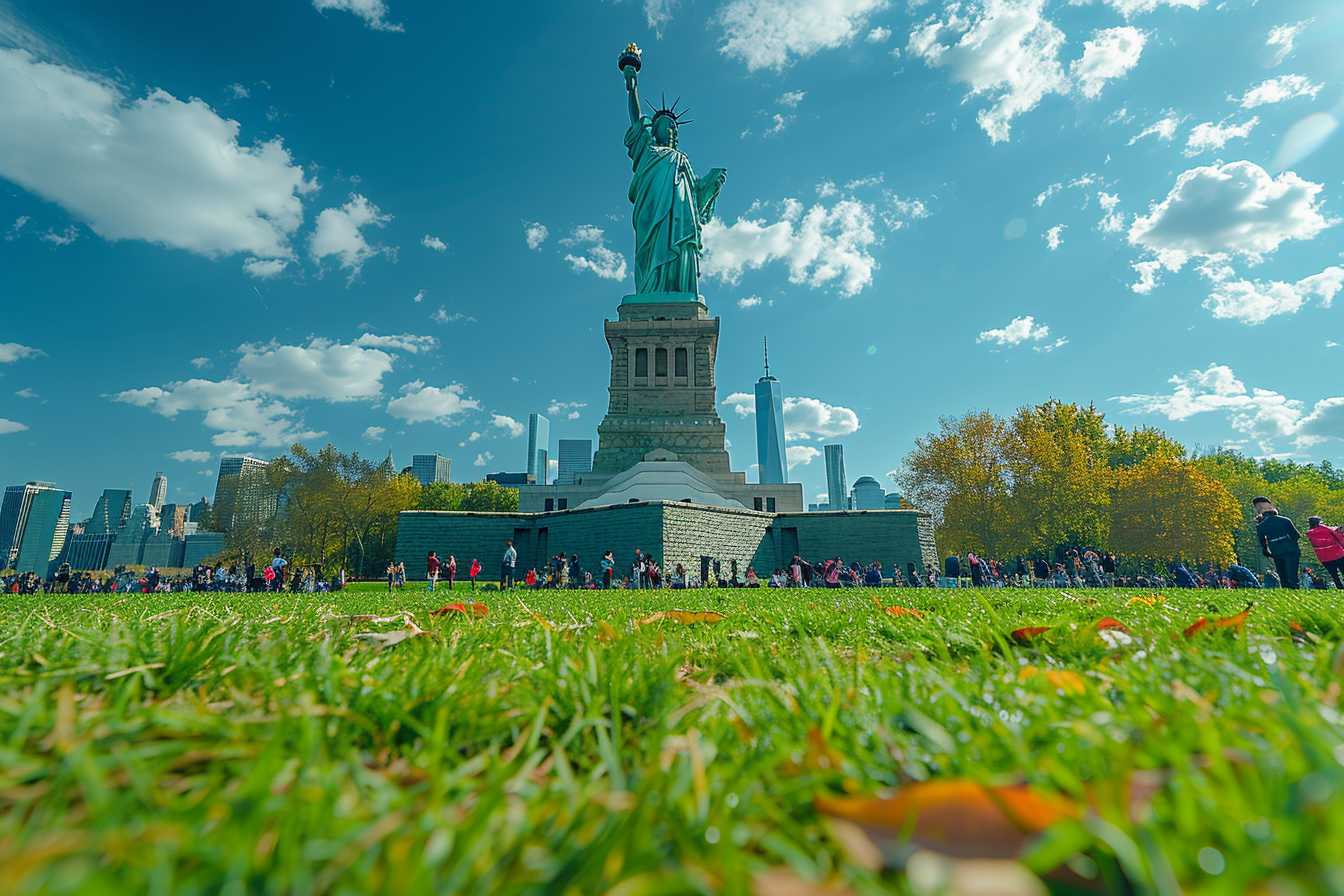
pixel 993 230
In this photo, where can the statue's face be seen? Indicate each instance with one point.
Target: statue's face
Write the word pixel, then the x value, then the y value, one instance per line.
pixel 665 131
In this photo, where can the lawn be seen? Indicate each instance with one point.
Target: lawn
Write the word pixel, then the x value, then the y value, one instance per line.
pixel 566 742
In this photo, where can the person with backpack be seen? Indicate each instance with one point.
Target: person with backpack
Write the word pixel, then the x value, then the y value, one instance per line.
pixel 1279 540
pixel 1328 543
pixel 432 569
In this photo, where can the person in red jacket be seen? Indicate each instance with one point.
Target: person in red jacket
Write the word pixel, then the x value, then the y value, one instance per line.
pixel 1329 547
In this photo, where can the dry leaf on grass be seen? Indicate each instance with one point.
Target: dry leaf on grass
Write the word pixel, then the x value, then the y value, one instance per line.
pixel 476 609
pixel 383 640
pixel 1147 600
pixel 905 611
pixel 1030 633
pixel 1065 680
pixel 1231 623
pixel 685 617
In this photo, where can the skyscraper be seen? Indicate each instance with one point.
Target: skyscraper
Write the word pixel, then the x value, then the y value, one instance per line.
pixel 868 494
pixel 430 468
pixel 111 512
pixel 837 490
pixel 34 522
pixel 538 446
pixel 770 428
pixel 241 493
pixel 158 492
pixel 576 456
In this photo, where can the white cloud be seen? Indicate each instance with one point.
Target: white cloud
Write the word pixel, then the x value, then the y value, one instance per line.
pixel 239 414
pixel 373 12
pixel 878 35
pixel 1128 8
pixel 26 392
pixel 63 238
pixel 1254 302
pixel 155 169
pixel 1054 237
pixel 264 268
pixel 11 426
pixel 238 91
pixel 1051 346
pixel 1018 331
pixel 482 459
pixel 1262 414
pixel 1276 90
pixel 535 233
pixel 1111 221
pixel 1083 180
pixel 200 362
pixel 1207 136
pixel 374 433
pixel 405 342
pixel 321 369
pixel 800 455
pixel 506 423
pixel 1235 208
pixel 1163 129
pixel 420 403
pixel 791 98
pixel 189 455
pixel 1281 39
pixel 1110 54
pixel 569 408
pixel 742 403
pixel 443 316
pixel 19 223
pixel 1005 50
pixel 339 232
pixel 748 302
pixel 821 246
pixel 773 33
pixel 13 351
pixel 418 297
pixel 597 258
pixel 658 13
pixel 804 418
pixel 430 241
pixel 778 123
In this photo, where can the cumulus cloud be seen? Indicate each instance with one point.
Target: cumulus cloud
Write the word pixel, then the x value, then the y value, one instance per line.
pixel 240 414
pixel 804 418
pixel 747 302
pixel 569 408
pixel 374 433
pixel 373 12
pixel 1262 414
pixel 482 459
pixel 1232 209
pixel 1163 129
pixel 1129 8
pixel 658 13
pixel 189 455
pixel 506 423
pixel 404 342
pixel 822 246
pixel 791 98
pixel 535 233
pixel 593 255
pixel 264 268
pixel 340 232
pixel 800 455
pixel 1207 136
pixel 1282 38
pixel 442 315
pixel 1277 90
pixel 62 237
pixel 14 351
pixel 1082 181
pixel 1110 54
pixel 774 33
pixel 11 426
pixel 419 403
pixel 156 168
pixel 1111 221
pixel 878 35
pixel 14 229
pixel 200 362
pixel 323 369
pixel 1254 302
pixel 1018 330
pixel 430 241
pixel 1051 346
pixel 1054 237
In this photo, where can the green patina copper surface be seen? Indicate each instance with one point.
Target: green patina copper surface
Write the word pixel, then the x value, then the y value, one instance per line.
pixel 671 204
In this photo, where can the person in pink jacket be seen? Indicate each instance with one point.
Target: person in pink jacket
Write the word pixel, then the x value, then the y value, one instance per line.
pixel 1328 544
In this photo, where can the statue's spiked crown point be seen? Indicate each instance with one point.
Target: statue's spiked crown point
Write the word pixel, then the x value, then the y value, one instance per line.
pixel 671 112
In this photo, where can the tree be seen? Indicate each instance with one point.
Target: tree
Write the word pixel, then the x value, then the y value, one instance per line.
pixel 1163 508
pixel 1057 459
pixel 1132 446
pixel 960 475
pixel 481 497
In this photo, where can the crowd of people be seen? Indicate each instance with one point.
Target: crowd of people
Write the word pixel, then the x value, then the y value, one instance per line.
pixel 273 575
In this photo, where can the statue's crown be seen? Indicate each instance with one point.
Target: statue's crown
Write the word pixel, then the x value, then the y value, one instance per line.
pixel 671 112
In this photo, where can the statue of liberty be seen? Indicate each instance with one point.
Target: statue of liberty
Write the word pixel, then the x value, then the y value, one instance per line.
pixel 671 204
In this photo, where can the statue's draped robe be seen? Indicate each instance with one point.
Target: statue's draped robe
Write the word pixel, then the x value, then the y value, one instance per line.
pixel 670 208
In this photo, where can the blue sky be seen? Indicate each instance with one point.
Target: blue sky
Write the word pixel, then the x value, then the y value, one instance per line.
pixel 398 225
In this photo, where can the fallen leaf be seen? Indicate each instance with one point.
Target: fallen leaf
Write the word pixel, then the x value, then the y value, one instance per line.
pixel 1061 679
pixel 905 611
pixel 1147 601
pixel 383 640
pixel 1231 623
pixel 685 617
pixel 1030 633
pixel 959 818
pixel 605 632
pixel 476 609
pixel 1302 636
pixel 1110 622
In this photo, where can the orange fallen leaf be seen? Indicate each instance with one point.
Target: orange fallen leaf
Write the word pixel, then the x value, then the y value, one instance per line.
pixel 1023 635
pixel 1147 601
pixel 685 617
pixel 1061 679
pixel 1110 622
pixel 959 818
pixel 477 609
pixel 905 611
pixel 605 632
pixel 1231 623
pixel 1300 634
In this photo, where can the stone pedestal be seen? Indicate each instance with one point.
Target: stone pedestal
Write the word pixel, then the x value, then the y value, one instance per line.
pixel 662 392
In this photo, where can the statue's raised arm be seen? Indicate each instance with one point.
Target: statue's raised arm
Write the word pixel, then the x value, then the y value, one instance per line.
pixel 671 204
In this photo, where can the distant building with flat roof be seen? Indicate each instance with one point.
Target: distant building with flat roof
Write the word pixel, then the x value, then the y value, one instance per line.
pixel 431 468
pixel 837 487
pixel 158 492
pixel 576 457
pixel 241 492
pixel 538 447
pixel 867 494
pixel 111 512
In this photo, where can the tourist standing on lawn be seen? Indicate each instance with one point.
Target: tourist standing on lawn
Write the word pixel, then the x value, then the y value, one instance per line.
pixel 432 569
pixel 608 566
pixel 278 564
pixel 1328 544
pixel 391 575
pixel 1279 540
pixel 507 564
pixel 473 571
pixel 450 571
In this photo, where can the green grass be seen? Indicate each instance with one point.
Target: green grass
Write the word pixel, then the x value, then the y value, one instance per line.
pixel 248 744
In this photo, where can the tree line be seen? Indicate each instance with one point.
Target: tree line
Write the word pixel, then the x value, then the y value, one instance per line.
pixel 1057 475
pixel 339 511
